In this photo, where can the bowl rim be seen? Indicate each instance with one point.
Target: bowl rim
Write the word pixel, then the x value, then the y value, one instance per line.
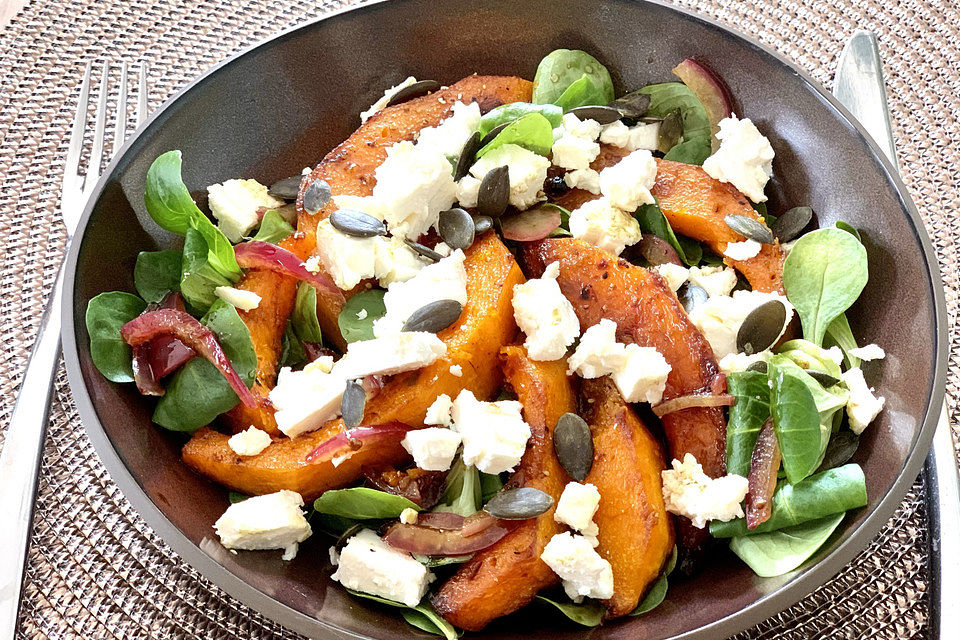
pixel 767 605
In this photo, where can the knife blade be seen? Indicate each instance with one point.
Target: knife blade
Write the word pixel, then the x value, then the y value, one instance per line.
pixel 859 86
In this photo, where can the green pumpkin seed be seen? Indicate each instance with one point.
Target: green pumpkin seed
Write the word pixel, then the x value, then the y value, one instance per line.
pixel 840 450
pixel 316 196
pixel 749 228
pixel 790 224
pixel 467 155
pixel 434 317
pixel 692 296
pixel 357 223
pixel 519 504
pixel 457 228
pixel 352 404
pixel 824 379
pixel 424 250
pixel 759 365
pixel 286 189
pixel 632 105
pixel 494 194
pixel 350 531
pixel 573 444
pixel 415 90
pixel 482 224
pixel 761 327
pixel 601 114
pixel 671 128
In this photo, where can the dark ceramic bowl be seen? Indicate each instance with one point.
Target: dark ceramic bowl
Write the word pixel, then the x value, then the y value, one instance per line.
pixel 282 105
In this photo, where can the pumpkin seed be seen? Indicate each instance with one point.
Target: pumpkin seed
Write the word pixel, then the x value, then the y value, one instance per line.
pixel 573 444
pixel 493 133
pixel 494 194
pixel 601 114
pixel 352 403
pixel 434 317
pixel 668 135
pixel 415 90
pixel 316 196
pixel 357 223
pixel 519 504
pixel 457 228
pixel 692 296
pixel 350 531
pixel 424 250
pixel 825 379
pixel 749 228
pixel 632 105
pixel 790 224
pixel 759 365
pixel 840 450
pixel 286 189
pixel 482 224
pixel 467 155
pixel 761 327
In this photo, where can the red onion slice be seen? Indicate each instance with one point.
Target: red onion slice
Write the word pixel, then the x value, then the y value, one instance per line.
pixel 710 89
pixel 427 541
pixel 762 481
pixel 348 442
pixel 188 330
pixel 257 254
pixel 161 356
pixel 440 520
pixel 530 225
pixel 692 401
pixel 657 251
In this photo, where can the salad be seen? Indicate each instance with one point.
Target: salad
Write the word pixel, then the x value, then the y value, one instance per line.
pixel 511 342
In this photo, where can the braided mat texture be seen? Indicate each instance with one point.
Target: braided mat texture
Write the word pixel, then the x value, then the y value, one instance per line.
pixel 97 571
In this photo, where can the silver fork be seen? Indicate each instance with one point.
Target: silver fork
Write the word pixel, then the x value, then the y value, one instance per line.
pixel 23 443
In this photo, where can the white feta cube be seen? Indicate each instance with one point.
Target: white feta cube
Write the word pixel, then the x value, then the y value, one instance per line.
pixel 347 259
pixel 432 448
pixel 688 491
pixel 385 98
pixel 598 353
pixel 414 185
pixel 743 250
pixel 586 129
pixel 744 159
pixel 736 362
pixel 370 565
pixel 643 377
pixel 323 364
pixel 448 137
pixel 439 411
pixel 407 516
pixel 545 315
pixel 396 262
pixel 716 281
pixel 576 507
pixel 467 191
pixel 527 172
pixel 240 298
pixel 443 280
pixel 234 204
pixel 862 406
pixel 574 152
pixel 602 224
pixel 456 370
pixel 641 136
pixel 273 521
pixel 719 317
pixel 674 275
pixel 392 354
pixel 627 184
pixel 586 179
pixel 583 572
pixel 868 352
pixel 366 204
pixel 250 442
pixel 494 433
pixel 305 400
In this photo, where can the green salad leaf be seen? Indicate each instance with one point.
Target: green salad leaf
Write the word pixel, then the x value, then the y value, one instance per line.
pixel 588 613
pixel 422 616
pixel 796 422
pixel 532 131
pixel 583 92
pixel 197 393
pixel 832 491
pixel 515 110
pixel 652 220
pixel 694 146
pixel 306 325
pixel 235 496
pixel 849 228
pixel 562 68
pixel 746 417
pixel 362 503
pixel 157 273
pixel 823 275
pixel 106 314
pixel 775 553
pixel 369 305
pixel 490 484
pixel 807 355
pixel 199 278
pixel 273 228
pixel 463 494
pixel 292 353
pixel 839 334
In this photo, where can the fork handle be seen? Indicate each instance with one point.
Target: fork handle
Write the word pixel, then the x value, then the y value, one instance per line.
pixel 20 459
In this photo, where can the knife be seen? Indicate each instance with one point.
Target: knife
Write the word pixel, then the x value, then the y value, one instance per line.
pixel 859 86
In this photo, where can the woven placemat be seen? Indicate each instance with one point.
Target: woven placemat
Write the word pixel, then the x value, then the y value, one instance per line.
pixel 97 571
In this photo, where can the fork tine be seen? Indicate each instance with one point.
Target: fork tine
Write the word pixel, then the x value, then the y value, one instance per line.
pixel 120 122
pixel 71 177
pixel 142 105
pixel 96 153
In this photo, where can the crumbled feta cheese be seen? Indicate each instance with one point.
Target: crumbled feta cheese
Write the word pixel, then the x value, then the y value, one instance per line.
pixel 439 411
pixel 526 170
pixel 604 225
pixel 743 250
pixel 586 129
pixel 627 184
pixel 576 507
pixel 467 191
pixel 643 377
pixel 312 264
pixel 616 134
pixel 370 565
pixel 640 136
pixel 494 433
pixel 574 152
pixel 673 274
pixel 736 362
pixel 432 448
pixel 273 521
pixel 598 353
pixel 409 516
pixel 362 314
pixel 456 370
pixel 451 134
pixel 414 185
pixel 366 204
pixel 545 315
pixel 443 280
pixel 323 364
pixel 586 179
pixel 305 400
pixel 863 406
pixel 443 249
pixel 382 102
pixel 716 281
pixel 250 442
pixel 239 298
pixel 688 491
pixel 720 317
pixel 869 352
pixel 395 353
pixel 744 159
pixel 395 261
pixel 835 354
pixel 583 571
pixel 347 259
pixel 234 204
pixel 334 556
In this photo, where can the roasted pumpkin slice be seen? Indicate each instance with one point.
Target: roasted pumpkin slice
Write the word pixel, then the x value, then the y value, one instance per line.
pixel 636 533
pixel 647 313
pixel 473 343
pixel 506 576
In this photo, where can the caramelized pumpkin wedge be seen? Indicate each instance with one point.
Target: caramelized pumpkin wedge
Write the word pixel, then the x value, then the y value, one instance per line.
pixel 636 533
pixel 647 313
pixel 506 576
pixel 473 343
